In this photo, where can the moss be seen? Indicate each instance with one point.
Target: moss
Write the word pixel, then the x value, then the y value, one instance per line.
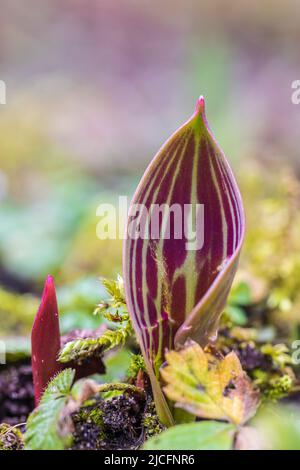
pixel 273 385
pixel 96 417
pixel 279 353
pixel 89 427
pixel 91 413
pixel 11 438
pixel 279 387
pixel 150 422
pixel 136 364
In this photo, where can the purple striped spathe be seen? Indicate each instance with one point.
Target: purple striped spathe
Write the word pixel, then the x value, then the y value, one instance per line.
pixel 174 293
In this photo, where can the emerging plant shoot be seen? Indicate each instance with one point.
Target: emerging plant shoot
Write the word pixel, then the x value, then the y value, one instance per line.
pixel 175 292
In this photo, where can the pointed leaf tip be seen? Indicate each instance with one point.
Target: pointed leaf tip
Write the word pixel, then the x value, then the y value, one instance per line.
pixel 45 340
pixel 49 281
pixel 200 110
pixel 200 105
pixel 49 293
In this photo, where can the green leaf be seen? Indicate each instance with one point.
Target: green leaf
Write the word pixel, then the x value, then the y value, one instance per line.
pixel 42 429
pixel 205 435
pixel 236 314
pixel 279 427
pixel 116 366
pixel 240 294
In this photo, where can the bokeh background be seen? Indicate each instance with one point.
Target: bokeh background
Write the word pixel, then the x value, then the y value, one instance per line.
pixel 94 87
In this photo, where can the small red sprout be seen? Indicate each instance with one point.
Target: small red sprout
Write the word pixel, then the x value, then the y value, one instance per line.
pixel 46 343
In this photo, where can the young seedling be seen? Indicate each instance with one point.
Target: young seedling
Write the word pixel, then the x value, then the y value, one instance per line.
pixel 46 343
pixel 175 293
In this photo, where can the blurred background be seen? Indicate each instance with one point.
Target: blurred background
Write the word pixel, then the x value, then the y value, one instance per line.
pixel 94 87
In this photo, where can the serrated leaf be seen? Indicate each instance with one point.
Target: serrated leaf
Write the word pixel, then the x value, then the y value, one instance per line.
pixel 206 435
pixel 208 387
pixel 42 429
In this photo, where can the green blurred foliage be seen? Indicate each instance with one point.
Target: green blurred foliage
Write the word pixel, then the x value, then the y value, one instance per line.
pixel 278 427
pixel 16 312
pixel 271 255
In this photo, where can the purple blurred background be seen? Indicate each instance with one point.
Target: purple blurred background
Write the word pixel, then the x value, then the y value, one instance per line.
pixel 107 81
pixel 95 87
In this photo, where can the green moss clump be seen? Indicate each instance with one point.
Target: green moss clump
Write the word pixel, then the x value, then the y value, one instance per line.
pixel 91 414
pixel 136 364
pixel 11 438
pixel 150 421
pixel 273 385
pixel 280 387
pixel 89 428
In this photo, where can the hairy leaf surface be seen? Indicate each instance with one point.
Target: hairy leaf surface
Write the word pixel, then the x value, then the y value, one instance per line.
pixel 42 428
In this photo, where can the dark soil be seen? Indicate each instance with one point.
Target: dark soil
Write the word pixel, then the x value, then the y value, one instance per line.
pixel 251 358
pixel 106 424
pixel 112 424
pixel 16 394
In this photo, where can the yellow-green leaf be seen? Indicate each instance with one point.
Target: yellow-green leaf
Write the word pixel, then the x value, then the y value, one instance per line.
pixel 208 387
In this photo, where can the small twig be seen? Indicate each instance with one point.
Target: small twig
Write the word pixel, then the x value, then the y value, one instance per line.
pixel 12 427
pixel 119 387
